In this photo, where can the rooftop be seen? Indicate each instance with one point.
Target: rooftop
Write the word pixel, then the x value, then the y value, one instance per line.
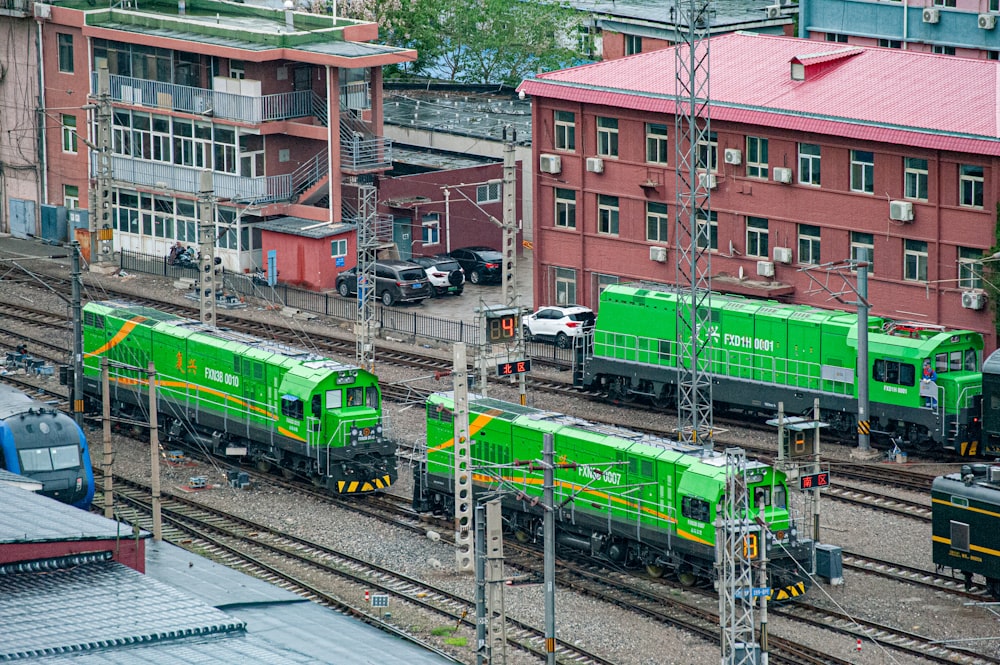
pixel 31 518
pixel 466 113
pixel 879 94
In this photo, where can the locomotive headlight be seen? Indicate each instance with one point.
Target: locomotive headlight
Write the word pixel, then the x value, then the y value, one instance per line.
pixel 79 484
pixel 779 535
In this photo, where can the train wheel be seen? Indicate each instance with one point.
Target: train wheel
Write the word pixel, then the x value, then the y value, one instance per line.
pixel 287 474
pixel 263 465
pixel 664 400
pixel 686 578
pixel 521 536
pixel 655 571
pixel 618 391
pixel 318 480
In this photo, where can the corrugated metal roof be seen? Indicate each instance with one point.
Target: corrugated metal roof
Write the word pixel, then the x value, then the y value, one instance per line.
pixel 879 94
pixel 307 228
pixel 28 518
pixel 22 482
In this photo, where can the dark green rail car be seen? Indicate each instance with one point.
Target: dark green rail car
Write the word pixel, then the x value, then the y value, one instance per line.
pixel 765 352
pixel 236 394
pixel 636 500
pixel 966 523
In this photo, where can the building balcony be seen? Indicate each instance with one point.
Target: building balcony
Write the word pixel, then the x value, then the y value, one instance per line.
pixel 185 179
pixel 15 8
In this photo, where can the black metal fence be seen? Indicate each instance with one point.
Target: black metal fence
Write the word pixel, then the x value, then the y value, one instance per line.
pixel 388 319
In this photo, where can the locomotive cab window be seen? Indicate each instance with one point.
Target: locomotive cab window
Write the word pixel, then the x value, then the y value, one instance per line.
pixel 334 399
pixel 317 408
pixel 761 497
pixel 891 371
pixel 694 508
pixel 971 361
pixel 291 407
pixel 372 397
pixel 355 396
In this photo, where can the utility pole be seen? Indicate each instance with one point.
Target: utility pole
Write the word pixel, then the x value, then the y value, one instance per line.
pixel 736 543
pixel 512 297
pixel 367 234
pixel 549 534
pixel 109 501
pixel 496 625
pixel 154 454
pixel 77 335
pixel 101 228
pixel 206 246
pixel 464 534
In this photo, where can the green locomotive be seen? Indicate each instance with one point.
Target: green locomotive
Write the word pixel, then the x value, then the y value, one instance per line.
pixel 765 352
pixel 624 497
pixel 235 394
pixel 966 512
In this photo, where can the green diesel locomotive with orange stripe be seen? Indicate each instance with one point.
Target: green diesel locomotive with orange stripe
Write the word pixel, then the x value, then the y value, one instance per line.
pixel 235 394
pixel 627 498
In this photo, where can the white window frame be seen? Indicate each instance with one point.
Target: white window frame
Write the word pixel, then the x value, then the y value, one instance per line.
pixel 970 274
pixel 66 52
pixel 488 192
pixel 971 179
pixel 69 136
pixel 608 213
pixel 71 196
pixel 565 131
pixel 914 260
pixel 757 166
pixel 564 282
pixel 633 44
pixel 707 228
pixel 915 178
pixel 430 226
pixel 607 137
pixel 657 221
pixel 809 244
pixel 656 143
pixel 707 154
pixel 863 171
pixel 565 213
pixel 757 237
pixel 860 241
pixel 809 164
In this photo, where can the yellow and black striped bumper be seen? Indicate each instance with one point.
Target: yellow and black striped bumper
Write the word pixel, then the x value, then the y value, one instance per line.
pixel 357 486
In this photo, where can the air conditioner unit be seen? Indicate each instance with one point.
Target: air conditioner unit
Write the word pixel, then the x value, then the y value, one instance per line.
pixel 901 211
pixel 707 180
pixel 595 165
pixel 773 11
pixel 783 254
pixel 932 15
pixel 973 299
pixel 765 269
pixel 549 163
pixel 43 10
pixel 732 156
pixel 986 21
pixel 782 174
pixel 658 254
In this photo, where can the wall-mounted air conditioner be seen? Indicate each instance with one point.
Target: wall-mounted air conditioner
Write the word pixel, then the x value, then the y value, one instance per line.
pixel 595 165
pixel 549 163
pixel 658 254
pixel 707 180
pixel 974 299
pixel 782 174
pixel 931 15
pixel 43 11
pixel 732 156
pixel 765 269
pixel 987 21
pixel 783 254
pixel 901 211
pixel 773 11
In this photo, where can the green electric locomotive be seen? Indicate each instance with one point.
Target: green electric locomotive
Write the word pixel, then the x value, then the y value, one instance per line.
pixel 966 517
pixel 925 384
pixel 632 499
pixel 236 394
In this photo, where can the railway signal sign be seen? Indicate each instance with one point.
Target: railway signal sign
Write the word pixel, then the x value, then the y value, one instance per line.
pixel 513 367
pixel 814 481
pixel 380 600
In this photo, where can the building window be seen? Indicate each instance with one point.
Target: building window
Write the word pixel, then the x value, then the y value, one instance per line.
pixel 915 261
pixel 863 243
pixel 488 193
pixel 809 244
pixel 970 268
pixel 993 55
pixel 970 186
pixel 71 196
pixel 862 171
pixel 944 3
pixel 757 157
pixel 565 281
pixel 757 237
pixel 707 230
pixel 834 37
pixel 656 222
pixel 890 43
pixel 69 133
pixel 237 69
pixel 708 153
pixel 565 123
pixel 994 5
pixel 607 137
pixel 633 44
pixel 915 178
pixel 65 53
pixel 431 226
pixel 943 50
pixel 607 214
pixel 565 208
pixel 602 282
pixel 338 248
pixel 809 164
pixel 656 143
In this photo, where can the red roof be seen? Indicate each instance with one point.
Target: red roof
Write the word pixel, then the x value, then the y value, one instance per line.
pixel 878 94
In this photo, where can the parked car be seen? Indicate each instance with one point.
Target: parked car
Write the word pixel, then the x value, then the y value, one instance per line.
pixel 558 324
pixel 395 281
pixel 482 265
pixel 445 274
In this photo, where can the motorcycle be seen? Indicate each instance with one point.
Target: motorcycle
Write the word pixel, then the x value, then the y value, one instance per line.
pixel 183 258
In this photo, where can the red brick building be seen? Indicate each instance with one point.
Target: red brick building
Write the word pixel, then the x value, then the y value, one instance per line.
pixel 816 151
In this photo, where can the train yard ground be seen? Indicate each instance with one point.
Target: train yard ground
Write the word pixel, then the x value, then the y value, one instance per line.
pixel 616 633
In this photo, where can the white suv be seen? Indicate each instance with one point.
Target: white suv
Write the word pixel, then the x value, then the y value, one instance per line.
pixel 558 324
pixel 444 273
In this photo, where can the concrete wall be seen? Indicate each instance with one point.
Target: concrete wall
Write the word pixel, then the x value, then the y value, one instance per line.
pixel 19 163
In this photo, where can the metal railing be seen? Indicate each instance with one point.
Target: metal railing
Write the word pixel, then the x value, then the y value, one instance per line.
pixel 171 177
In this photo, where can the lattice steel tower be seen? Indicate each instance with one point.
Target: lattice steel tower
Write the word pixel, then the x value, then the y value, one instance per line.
pixel 364 333
pixel 695 166
pixel 736 545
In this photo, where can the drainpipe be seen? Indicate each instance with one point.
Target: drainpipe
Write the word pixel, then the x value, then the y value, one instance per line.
pixel 43 185
pixel 330 147
pixel 906 6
